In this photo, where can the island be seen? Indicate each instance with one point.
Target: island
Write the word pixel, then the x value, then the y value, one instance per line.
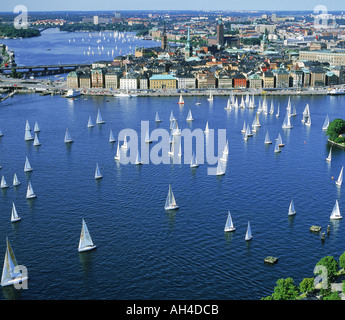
pixel 8 31
pixel 336 132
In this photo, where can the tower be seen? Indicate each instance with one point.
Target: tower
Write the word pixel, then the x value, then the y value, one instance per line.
pixel 220 32
pixel 164 39
pixel 188 49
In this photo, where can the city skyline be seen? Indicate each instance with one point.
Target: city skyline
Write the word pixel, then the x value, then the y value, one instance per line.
pixel 268 5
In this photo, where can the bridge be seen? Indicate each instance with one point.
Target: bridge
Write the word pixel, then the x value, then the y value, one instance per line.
pixel 37 70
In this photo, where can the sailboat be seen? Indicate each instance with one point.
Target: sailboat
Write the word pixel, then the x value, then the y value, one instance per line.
pixel 244 127
pixel 210 98
pixel 207 129
pixel 308 123
pixel 286 123
pixel 111 137
pixel 30 192
pixel 28 136
pixel 68 138
pixel 329 158
pixel 36 127
pixel 157 119
pixel 276 147
pixel 326 123
pixel 99 119
pixel 256 122
pixel 172 117
pixel 90 123
pixel 229 226
pixel 249 235
pixel 228 105
pixel 220 171
pixel 27 166
pixel 189 116
pixel 138 160
pixel 85 241
pixel 98 174
pixel 15 180
pixel 249 132
pixel 117 156
pixel 3 184
pixel 124 146
pixel 170 203
pixel 226 148
pixel 193 161
pixel 280 141
pixel 36 141
pixel 335 212
pixel 340 178
pixel 9 275
pixel 277 114
pixel 272 108
pixel 14 214
pixel 27 126
pixel 292 210
pixel 147 137
pixel 181 101
pixel 267 138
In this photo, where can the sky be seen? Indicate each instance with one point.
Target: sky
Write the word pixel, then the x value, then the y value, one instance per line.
pixel 100 5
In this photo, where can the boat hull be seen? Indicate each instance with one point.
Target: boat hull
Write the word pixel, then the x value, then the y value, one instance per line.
pixel 14 281
pixel 88 248
pixel 171 208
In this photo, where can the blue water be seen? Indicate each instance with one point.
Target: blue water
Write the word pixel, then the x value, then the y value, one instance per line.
pixel 144 252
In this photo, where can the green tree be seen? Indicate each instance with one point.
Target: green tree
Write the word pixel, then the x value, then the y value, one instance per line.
pixel 332 296
pixel 307 285
pixel 342 261
pixel 285 290
pixel 331 265
pixel 335 128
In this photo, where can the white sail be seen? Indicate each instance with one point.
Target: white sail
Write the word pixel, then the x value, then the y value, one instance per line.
pixel 308 122
pixel 3 184
pixel 15 180
pixel 98 174
pixel 157 119
pixel 124 146
pixel 28 136
pixel 90 123
pixel 85 241
pixel 117 156
pixel 280 141
pixel 244 127
pixel 226 148
pixel 138 159
pixel 286 123
pixel 68 138
pixel 170 203
pixel 189 116
pixel 249 235
pixel 27 166
pixel 111 137
pixel 9 276
pixel 267 138
pixel 228 105
pixel 193 161
pixel 172 117
pixel 277 114
pixel 147 137
pixel 210 98
pixel 276 147
pixel 329 158
pixel 14 214
pixel 326 123
pixel 220 171
pixel 249 132
pixel 176 131
pixel 36 141
pixel 36 127
pixel 336 211
pixel 27 126
pixel 181 101
pixel 207 129
pixel 229 226
pixel 272 108
pixel 30 191
pixel 292 210
pixel 99 119
pixel 340 178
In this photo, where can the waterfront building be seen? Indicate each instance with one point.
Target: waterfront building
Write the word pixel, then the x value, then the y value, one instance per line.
pixel 85 79
pixel 143 81
pixel 239 81
pixel 318 77
pixel 206 80
pixel 255 81
pixel 296 75
pixel 333 58
pixel 306 77
pixel 112 79
pixel 73 79
pixel 282 77
pixel 224 80
pixel 185 80
pixel 129 81
pixel 331 78
pixel 268 79
pixel 97 78
pixel 162 81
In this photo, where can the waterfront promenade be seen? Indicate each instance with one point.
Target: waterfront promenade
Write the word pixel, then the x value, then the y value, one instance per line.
pixel 48 86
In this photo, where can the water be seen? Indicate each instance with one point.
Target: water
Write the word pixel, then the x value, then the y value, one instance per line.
pixel 142 251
